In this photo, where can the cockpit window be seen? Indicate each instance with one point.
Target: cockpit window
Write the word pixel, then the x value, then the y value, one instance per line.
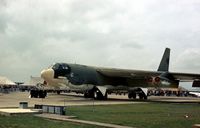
pixel 65 66
pixel 57 66
pixel 62 68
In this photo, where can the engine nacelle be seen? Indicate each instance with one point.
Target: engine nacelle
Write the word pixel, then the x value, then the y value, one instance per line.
pixel 153 80
pixel 164 80
pixel 157 79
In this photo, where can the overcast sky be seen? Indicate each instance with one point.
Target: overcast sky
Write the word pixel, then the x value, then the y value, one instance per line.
pixel 111 33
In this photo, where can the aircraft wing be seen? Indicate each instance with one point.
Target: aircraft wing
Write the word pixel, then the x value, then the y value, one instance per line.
pixel 185 76
pixel 125 73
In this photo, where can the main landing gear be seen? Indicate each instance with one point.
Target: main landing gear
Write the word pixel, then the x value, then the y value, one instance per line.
pixel 137 92
pixel 38 93
pixel 96 94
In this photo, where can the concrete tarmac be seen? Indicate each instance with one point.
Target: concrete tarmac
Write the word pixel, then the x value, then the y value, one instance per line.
pixel 68 99
pixel 71 99
pixel 18 111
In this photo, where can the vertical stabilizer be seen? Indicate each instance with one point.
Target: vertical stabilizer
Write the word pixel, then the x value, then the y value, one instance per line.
pixel 164 64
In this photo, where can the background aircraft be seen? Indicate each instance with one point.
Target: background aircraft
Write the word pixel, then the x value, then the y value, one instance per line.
pixel 97 82
pixel 193 90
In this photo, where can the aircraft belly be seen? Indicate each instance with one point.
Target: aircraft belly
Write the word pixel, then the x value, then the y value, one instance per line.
pixel 81 87
pixel 57 82
pixel 65 82
pixel 137 83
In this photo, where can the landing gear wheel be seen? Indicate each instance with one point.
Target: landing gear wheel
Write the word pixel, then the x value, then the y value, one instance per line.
pixel 86 95
pixel 58 92
pixel 42 94
pixel 89 94
pixel 141 96
pixel 98 95
pixel 145 97
pixel 132 95
pixel 38 93
pixel 34 93
pixel 106 96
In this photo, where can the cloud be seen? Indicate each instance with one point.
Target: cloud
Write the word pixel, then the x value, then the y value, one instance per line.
pixel 3 16
pixel 188 60
pixel 2 3
pixel 124 34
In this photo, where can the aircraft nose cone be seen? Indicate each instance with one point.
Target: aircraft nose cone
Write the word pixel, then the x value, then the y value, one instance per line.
pixel 47 74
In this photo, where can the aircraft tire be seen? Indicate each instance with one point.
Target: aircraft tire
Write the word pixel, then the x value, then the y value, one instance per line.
pixel 34 93
pixel 141 96
pixel 145 97
pixel 132 95
pixel 45 93
pixel 58 92
pixel 42 94
pixel 98 95
pixel 89 94
pixel 106 96
pixel 86 95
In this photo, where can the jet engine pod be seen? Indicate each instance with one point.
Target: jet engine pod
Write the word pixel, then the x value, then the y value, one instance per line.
pixel 149 79
pixel 157 79
pixel 153 80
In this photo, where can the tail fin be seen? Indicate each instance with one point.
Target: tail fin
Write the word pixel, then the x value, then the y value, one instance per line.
pixel 164 64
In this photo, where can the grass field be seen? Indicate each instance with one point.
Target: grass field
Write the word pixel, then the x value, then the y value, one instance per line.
pixel 36 122
pixel 147 115
pixel 150 115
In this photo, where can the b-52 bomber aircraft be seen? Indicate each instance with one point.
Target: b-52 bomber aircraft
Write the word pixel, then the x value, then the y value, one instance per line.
pixel 97 82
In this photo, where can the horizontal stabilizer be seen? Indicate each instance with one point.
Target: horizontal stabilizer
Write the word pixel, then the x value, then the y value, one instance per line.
pixel 196 83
